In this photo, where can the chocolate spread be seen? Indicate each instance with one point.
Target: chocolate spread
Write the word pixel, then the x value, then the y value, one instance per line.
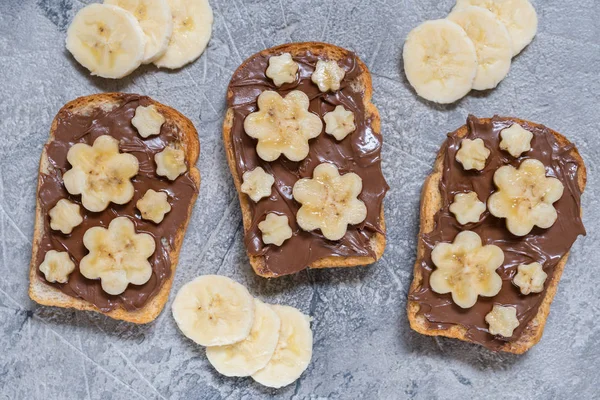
pixel 359 152
pixel 78 128
pixel 546 246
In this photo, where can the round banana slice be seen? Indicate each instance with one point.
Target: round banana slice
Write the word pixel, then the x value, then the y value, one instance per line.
pixel 492 43
pixel 252 354
pixel 293 352
pixel 440 61
pixel 518 16
pixel 107 40
pixel 214 310
pixel 192 27
pixel 154 16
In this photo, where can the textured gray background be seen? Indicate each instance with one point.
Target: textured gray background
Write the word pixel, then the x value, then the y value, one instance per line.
pixel 363 346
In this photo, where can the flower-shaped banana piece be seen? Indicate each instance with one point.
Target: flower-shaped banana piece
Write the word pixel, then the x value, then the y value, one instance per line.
pixel 65 216
pixel 117 256
pixel 530 278
pixel 328 75
pixel 275 229
pixel 472 154
pixel 467 208
pixel 57 266
pixel 100 174
pixel 282 69
pixel 502 320
pixel 147 120
pixel 516 140
pixel 329 201
pixel 525 197
pixel 153 206
pixel 170 162
pixel 466 269
pixel 283 125
pixel 339 122
pixel 257 184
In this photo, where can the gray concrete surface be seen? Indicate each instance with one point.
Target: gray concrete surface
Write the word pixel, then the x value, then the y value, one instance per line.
pixel 363 345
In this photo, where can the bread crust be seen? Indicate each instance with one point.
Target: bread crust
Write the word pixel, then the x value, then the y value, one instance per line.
pixel 431 203
pixel 331 52
pixel 47 295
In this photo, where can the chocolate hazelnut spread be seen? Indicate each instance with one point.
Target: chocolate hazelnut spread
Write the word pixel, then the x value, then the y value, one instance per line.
pixel 359 152
pixel 546 246
pixel 74 128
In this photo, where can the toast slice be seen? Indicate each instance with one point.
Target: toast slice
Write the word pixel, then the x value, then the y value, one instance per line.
pixel 432 203
pixel 361 84
pixel 46 294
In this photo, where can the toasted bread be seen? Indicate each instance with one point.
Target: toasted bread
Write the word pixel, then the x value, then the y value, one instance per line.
pixel 45 294
pixel 431 203
pixel 329 52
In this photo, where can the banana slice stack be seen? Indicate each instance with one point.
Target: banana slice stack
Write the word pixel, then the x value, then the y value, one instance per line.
pixel 244 336
pixel 113 39
pixel 471 49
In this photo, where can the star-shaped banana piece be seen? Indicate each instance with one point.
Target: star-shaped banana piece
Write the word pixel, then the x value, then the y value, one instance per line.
pixel 516 140
pixel 100 174
pixel 65 216
pixel 329 201
pixel 502 320
pixel 328 76
pixel 339 123
pixel 275 229
pixel 467 208
pixel 472 154
pixel 170 162
pixel 282 69
pixel 283 125
pixel 466 269
pixel 117 256
pixel 153 206
pixel 530 278
pixel 57 266
pixel 257 184
pixel 147 121
pixel 525 197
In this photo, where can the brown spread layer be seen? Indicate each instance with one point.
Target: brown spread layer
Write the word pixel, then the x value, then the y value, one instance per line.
pixel 78 128
pixel 546 246
pixel 359 152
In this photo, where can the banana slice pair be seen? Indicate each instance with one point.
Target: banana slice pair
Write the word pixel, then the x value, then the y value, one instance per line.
pixel 471 49
pixel 113 39
pixel 244 336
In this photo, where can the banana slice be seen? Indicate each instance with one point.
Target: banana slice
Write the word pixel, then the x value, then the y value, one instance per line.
pixel 65 216
pixel 192 27
pixel 329 201
pixel 118 255
pixel 440 61
pixel 213 310
pixel 518 16
pixel 154 16
pixel 492 44
pixel 516 140
pixel 252 354
pixel 275 229
pixel 57 266
pixel 170 162
pixel 100 174
pixel 502 320
pixel 525 197
pixel 293 352
pixel 107 40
